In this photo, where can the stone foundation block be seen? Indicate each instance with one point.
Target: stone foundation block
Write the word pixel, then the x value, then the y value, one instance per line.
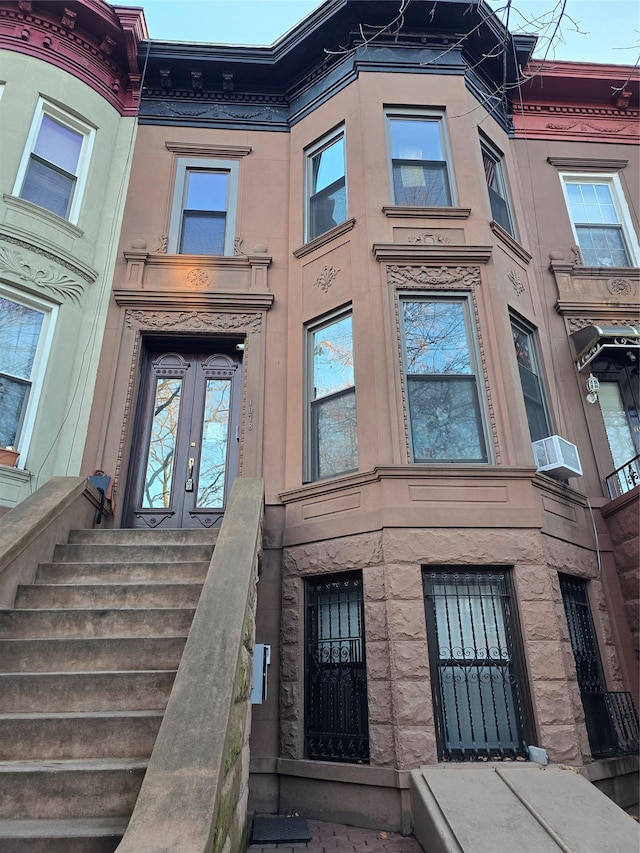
pixel 416 746
pixel 404 581
pixel 412 703
pixel 378 661
pixel 381 745
pixel 407 620
pixel 410 659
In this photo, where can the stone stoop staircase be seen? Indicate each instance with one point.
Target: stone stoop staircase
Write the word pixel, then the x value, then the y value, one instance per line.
pixel 87 661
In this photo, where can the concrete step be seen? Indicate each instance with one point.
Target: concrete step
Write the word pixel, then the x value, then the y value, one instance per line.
pixel 144 537
pixel 106 596
pixel 82 655
pixel 108 572
pixel 103 553
pixel 42 624
pixel 93 788
pixel 78 735
pixel 91 835
pixel 55 692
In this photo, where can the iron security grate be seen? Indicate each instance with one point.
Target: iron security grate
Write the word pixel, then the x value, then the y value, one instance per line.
pixel 278 829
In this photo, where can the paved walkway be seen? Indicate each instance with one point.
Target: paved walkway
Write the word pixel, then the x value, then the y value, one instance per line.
pixel 338 838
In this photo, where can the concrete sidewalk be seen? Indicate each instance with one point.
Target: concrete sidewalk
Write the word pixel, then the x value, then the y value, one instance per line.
pixel 339 838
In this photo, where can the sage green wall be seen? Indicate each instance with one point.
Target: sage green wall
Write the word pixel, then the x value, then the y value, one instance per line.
pixel 70 266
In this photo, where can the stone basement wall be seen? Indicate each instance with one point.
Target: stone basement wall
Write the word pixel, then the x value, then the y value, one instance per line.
pixel 232 808
pixel 401 721
pixel 623 521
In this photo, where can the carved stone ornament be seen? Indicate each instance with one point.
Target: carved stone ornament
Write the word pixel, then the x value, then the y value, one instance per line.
pixel 433 276
pixel 518 286
pixel 199 277
pixel 586 126
pixel 237 246
pixel 427 239
pixel 619 287
pixel 162 246
pixel 577 256
pixel 577 323
pixel 194 321
pixel 47 278
pixel 326 278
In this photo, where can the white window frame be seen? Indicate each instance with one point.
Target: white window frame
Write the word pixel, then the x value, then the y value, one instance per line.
pixel 311 446
pixel 40 362
pixel 476 373
pixel 312 151
pixel 489 150
pixel 432 115
pixel 185 165
pixel 617 193
pixel 44 107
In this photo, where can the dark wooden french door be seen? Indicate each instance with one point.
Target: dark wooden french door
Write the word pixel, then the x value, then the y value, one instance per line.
pixel 185 452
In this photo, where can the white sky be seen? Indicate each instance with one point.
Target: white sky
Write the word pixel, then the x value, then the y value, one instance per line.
pixel 591 31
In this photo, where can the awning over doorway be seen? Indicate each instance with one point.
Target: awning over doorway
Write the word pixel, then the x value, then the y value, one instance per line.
pixel 590 341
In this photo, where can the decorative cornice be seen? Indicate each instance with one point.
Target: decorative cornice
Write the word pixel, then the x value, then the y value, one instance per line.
pixel 181 302
pixel 400 211
pixel 208 149
pixel 93 41
pixel 510 242
pixel 42 247
pixel 442 254
pixel 190 262
pixel 587 164
pixel 47 216
pixel 577 308
pixel 323 239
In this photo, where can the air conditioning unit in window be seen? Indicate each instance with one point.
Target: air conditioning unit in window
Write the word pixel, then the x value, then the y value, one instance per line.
pixel 557 457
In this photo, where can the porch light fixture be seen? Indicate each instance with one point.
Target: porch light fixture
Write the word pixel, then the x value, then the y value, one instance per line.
pixel 593 386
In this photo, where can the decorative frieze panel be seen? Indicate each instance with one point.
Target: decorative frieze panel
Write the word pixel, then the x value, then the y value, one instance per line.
pixel 194 321
pixel 433 277
pixel 45 277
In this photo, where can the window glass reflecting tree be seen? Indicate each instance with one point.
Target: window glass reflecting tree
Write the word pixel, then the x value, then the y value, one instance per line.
pixel 442 387
pixel 333 435
pixel 20 331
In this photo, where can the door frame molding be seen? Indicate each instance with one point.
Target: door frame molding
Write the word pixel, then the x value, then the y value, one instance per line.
pixel 206 315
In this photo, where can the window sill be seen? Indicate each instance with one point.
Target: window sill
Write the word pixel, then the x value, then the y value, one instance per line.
pixel 42 213
pixel 323 239
pixel 407 212
pixel 510 242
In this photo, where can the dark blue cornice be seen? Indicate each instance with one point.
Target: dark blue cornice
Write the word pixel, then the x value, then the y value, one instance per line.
pixel 274 87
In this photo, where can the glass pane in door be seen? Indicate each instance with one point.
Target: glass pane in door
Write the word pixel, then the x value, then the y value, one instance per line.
pixel 162 444
pixel 213 453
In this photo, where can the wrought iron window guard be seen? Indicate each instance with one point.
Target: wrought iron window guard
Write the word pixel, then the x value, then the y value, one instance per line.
pixel 612 721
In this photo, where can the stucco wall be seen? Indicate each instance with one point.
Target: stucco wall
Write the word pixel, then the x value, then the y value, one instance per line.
pixel 69 267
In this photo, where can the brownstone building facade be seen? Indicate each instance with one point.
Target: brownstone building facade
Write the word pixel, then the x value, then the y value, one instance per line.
pixel 335 274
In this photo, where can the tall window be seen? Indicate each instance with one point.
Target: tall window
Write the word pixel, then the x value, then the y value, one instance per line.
pixel 530 380
pixel 497 187
pixel 476 681
pixel 442 385
pixel 204 207
pixel 24 328
pixel 333 438
pixel 600 220
pixel 336 718
pixel 420 174
pixel 326 185
pixel 55 162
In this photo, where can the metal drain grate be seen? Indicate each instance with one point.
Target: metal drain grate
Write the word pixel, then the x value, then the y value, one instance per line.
pixel 276 829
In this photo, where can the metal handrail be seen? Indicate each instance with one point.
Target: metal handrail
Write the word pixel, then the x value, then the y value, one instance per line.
pixel 624 479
